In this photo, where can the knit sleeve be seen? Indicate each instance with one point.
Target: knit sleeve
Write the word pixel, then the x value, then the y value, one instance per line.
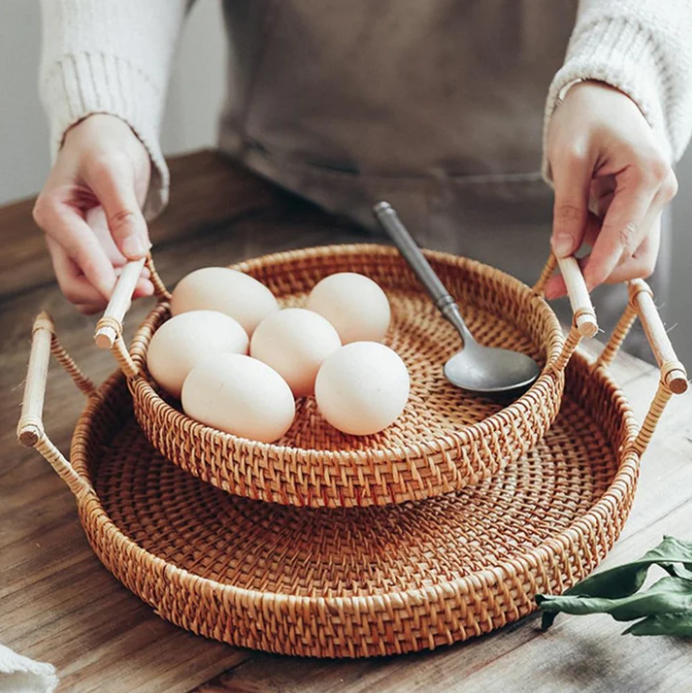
pixel 114 57
pixel 643 48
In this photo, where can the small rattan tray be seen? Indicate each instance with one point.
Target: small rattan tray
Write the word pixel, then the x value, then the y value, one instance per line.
pixel 356 582
pixel 445 438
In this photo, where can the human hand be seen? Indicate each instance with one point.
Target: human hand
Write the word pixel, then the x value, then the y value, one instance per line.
pixel 90 210
pixel 612 182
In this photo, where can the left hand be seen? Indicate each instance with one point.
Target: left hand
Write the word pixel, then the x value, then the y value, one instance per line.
pixel 612 182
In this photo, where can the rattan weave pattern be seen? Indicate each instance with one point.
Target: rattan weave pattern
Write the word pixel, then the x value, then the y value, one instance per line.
pixel 445 439
pixel 352 582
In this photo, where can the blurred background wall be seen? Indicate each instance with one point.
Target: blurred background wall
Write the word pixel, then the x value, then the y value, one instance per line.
pixel 196 93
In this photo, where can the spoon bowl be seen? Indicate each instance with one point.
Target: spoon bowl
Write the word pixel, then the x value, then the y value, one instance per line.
pixel 490 370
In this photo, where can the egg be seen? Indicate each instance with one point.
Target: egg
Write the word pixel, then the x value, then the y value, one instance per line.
pixel 354 304
pixel 187 339
pixel 239 395
pixel 227 291
pixel 295 342
pixel 362 388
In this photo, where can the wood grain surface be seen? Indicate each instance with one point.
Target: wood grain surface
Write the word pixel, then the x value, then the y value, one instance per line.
pixel 58 604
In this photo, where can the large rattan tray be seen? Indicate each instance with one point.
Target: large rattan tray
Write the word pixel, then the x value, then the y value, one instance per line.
pixel 355 582
pixel 445 438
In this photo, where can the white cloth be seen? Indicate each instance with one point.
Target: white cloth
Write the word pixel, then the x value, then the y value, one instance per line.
pixel 20 674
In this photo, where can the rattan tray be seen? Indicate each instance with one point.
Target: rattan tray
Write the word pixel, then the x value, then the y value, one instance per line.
pixel 445 438
pixel 355 582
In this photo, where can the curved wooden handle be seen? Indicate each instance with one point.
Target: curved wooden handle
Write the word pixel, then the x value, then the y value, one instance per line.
pixel 110 327
pixel 673 373
pixel 584 322
pixel 30 430
pixel 582 308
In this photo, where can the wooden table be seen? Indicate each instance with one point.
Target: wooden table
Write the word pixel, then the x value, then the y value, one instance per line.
pixel 58 604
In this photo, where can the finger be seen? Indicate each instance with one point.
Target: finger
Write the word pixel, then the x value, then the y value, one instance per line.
pixel 603 204
pixel 572 174
pixel 74 285
pixel 642 262
pixel 67 228
pixel 623 228
pixel 602 185
pixel 96 218
pixel 145 274
pixel 113 182
pixel 144 288
pixel 555 287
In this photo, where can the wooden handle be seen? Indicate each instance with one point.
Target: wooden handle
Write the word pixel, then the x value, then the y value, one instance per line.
pixel 30 430
pixel 582 308
pixel 30 426
pixel 673 373
pixel 110 326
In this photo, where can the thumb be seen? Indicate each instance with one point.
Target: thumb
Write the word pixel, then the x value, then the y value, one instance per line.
pixel 115 190
pixel 572 178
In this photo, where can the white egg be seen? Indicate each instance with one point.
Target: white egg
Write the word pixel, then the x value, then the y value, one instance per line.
pixel 228 291
pixel 295 343
pixel 239 395
pixel 188 339
pixel 354 304
pixel 362 388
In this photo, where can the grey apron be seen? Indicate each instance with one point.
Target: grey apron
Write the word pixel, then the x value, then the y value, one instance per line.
pixel 433 105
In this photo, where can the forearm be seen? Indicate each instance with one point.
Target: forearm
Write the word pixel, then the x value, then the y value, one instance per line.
pixel 642 48
pixel 110 56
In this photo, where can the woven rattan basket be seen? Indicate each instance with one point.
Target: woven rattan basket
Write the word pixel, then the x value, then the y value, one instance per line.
pixel 445 438
pixel 356 582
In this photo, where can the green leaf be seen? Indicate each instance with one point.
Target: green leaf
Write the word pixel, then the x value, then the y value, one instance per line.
pixel 668 595
pixel 677 571
pixel 610 591
pixel 664 624
pixel 626 579
pixel 548 617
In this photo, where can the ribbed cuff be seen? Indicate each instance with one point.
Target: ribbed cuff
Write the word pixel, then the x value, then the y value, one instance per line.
pixel 87 83
pixel 621 53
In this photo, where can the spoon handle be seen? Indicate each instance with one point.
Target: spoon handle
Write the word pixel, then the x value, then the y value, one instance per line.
pixel 402 239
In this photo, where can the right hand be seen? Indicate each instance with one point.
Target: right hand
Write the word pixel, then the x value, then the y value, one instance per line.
pixel 90 210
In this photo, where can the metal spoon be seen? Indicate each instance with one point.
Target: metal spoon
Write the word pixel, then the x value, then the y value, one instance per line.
pixel 476 368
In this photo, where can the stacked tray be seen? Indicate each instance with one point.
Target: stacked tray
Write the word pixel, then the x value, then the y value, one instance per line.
pixel 370 568
pixel 445 439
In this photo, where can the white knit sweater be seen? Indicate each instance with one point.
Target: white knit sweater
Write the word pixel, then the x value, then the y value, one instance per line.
pixel 114 56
